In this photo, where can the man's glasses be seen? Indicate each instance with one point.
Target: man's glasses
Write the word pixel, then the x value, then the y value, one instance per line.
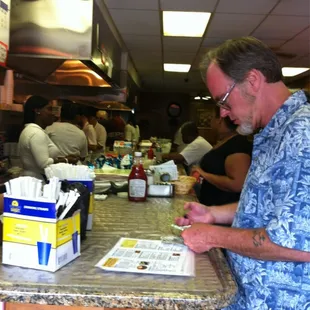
pixel 222 102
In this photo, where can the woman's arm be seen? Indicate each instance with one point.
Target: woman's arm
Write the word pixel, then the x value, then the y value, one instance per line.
pixel 236 168
pixel 38 144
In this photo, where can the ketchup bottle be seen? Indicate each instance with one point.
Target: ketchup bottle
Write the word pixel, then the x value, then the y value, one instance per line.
pixel 150 153
pixel 137 180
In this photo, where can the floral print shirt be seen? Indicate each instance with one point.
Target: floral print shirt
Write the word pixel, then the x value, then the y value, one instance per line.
pixel 276 196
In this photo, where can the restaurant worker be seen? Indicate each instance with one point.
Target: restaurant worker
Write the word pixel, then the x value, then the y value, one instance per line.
pixel 69 139
pixel 224 169
pixel 36 149
pixel 268 245
pixel 101 132
pixel 89 130
pixel 194 151
pixel 132 130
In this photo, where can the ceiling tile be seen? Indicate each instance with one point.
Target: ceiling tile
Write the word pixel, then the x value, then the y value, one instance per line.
pixel 292 7
pixel 212 42
pixel 281 27
pixel 232 25
pixel 246 6
pixel 304 35
pixel 301 62
pixel 132 4
pixel 136 22
pixel 146 61
pixel 273 43
pixel 135 42
pixel 296 47
pixel 188 45
pixel 186 5
pixel 180 58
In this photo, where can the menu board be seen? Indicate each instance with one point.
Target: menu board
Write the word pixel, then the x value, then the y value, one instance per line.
pixel 4 29
pixel 149 256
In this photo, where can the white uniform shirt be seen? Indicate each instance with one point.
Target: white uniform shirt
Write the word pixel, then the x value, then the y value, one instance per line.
pixel 195 151
pixel 101 134
pixel 90 133
pixel 69 139
pixel 132 133
pixel 178 140
pixel 36 149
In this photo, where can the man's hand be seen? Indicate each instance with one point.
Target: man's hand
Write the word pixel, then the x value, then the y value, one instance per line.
pixel 198 213
pixel 72 159
pixel 198 237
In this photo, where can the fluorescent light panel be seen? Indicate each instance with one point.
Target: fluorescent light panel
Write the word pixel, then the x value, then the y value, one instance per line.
pixel 292 71
pixel 177 67
pixel 185 24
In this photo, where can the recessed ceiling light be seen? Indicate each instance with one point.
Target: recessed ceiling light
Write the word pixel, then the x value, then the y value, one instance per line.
pixel 177 67
pixel 185 24
pixel 206 98
pixel 197 98
pixel 292 71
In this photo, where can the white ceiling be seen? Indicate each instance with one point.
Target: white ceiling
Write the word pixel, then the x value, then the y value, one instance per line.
pixel 282 24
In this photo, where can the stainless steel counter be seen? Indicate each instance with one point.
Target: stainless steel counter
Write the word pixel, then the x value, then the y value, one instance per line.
pixel 81 283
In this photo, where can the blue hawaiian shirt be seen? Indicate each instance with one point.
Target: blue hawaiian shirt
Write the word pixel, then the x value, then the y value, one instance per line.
pixel 276 195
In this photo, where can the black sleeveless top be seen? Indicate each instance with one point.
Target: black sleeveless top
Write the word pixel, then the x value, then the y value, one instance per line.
pixel 214 162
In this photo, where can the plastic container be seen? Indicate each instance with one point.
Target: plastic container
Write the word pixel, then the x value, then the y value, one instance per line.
pixel 137 180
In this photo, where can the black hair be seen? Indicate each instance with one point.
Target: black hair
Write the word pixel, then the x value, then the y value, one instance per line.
pixel 69 110
pixel 132 120
pixel 33 103
pixel 190 129
pixel 228 122
pixel 236 57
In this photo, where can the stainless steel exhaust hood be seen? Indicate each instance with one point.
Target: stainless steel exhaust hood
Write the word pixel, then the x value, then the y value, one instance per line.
pixel 57 42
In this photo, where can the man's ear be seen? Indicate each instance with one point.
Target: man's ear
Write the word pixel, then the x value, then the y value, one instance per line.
pixel 255 80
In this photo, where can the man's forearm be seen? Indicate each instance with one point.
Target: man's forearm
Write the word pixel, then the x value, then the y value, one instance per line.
pixel 224 214
pixel 253 243
pixel 176 157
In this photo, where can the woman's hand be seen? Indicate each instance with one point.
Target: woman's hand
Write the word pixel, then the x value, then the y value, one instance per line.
pixel 196 169
pixel 198 213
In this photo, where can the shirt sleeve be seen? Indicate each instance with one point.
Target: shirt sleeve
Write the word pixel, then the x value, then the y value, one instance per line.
pixel 84 147
pixel 39 146
pixel 128 133
pixel 91 135
pixel 288 198
pixel 194 152
pixel 102 138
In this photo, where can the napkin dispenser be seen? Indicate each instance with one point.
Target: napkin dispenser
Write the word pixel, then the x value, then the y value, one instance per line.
pixel 160 190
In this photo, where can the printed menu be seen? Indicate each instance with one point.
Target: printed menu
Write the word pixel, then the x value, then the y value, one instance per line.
pixel 149 256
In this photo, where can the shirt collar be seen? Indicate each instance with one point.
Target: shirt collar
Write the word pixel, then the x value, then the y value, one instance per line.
pixel 292 104
pixel 33 125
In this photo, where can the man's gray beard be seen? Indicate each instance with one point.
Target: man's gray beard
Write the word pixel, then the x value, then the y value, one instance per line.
pixel 245 129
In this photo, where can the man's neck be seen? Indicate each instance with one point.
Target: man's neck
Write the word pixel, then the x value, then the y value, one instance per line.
pixel 274 96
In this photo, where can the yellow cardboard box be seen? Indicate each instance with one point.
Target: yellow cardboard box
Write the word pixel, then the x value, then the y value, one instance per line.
pixel 33 237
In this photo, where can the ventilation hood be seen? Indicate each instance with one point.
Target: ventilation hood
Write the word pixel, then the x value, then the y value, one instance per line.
pixel 58 42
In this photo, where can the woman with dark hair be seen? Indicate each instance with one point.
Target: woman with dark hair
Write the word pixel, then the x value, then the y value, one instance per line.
pixel 36 149
pixel 225 167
